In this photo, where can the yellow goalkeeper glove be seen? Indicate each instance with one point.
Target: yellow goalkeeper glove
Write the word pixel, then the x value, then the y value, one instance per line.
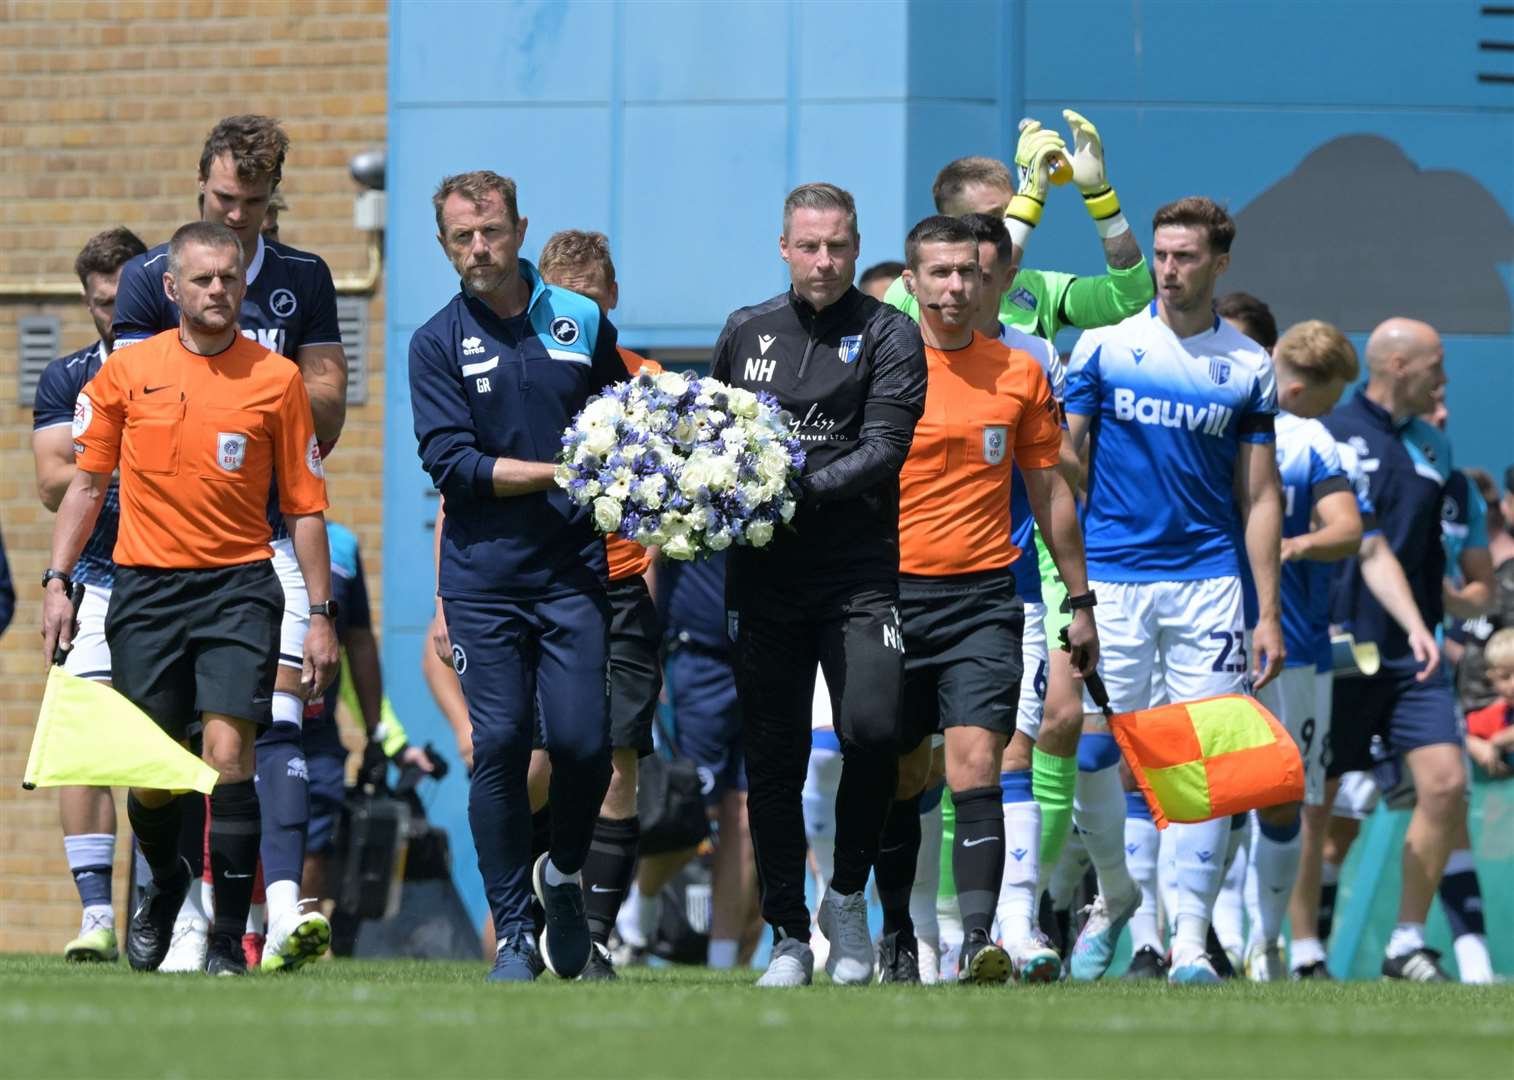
pixel 1038 153
pixel 1088 170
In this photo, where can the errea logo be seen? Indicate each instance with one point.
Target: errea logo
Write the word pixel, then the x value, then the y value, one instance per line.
pixel 1211 419
pixel 472 346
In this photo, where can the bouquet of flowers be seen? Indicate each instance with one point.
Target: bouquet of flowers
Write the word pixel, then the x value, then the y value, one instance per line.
pixel 684 463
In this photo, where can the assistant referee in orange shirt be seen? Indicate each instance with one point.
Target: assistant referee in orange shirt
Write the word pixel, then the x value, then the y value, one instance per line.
pixel 987 408
pixel 199 420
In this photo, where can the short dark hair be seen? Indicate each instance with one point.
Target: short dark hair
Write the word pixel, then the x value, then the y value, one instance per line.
pixel 475 186
pixel 952 180
pixel 1251 313
pixel 990 229
pixel 1199 212
pixel 887 270
pixel 936 229
pixel 820 197
pixel 257 146
pixel 576 250
pixel 209 233
pixel 106 252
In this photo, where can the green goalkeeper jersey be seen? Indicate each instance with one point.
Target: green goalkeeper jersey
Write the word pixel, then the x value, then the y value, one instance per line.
pixel 1042 302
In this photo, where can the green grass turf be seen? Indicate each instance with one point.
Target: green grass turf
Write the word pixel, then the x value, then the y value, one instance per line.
pixel 427 1020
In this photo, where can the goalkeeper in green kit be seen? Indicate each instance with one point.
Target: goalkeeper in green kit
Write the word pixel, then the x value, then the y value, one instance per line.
pixel 1039 302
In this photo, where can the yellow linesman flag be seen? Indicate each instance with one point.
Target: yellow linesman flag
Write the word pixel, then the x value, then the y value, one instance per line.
pixel 1206 759
pixel 88 734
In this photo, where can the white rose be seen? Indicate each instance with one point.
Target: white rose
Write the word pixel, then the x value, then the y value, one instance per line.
pixel 786 511
pixel 599 439
pixel 672 382
pixel 758 533
pixel 606 514
pixel 733 439
pixel 602 410
pixel 723 472
pixel 679 547
pixel 699 518
pixel 719 540
pixel 696 473
pixel 562 476
pixel 773 461
pixel 743 403
pixel 591 488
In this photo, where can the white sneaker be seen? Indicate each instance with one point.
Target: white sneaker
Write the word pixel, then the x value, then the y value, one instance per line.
pixel 186 949
pixel 1033 960
pixel 1264 962
pixel 792 964
pixel 843 920
pixel 930 961
pixel 296 940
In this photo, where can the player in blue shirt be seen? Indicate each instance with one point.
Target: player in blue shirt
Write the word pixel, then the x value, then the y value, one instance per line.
pixel 1181 410
pixel 495 377
pixel 1406 463
pixel 88 814
pixel 290 308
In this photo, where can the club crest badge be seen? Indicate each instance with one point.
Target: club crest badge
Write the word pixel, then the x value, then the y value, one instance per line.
pixel 1219 371
pixel 564 330
pixel 995 439
pixel 231 451
pixel 850 349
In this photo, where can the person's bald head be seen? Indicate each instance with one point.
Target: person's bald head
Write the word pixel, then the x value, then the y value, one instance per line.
pixel 1406 363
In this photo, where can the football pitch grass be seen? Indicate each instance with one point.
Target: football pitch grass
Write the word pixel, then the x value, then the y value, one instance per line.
pixel 424 1020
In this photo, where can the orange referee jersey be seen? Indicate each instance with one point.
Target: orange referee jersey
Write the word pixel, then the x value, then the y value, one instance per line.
pixel 985 406
pixel 199 440
pixel 627 557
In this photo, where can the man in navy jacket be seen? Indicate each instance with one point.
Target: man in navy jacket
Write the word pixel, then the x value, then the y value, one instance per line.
pixel 495 377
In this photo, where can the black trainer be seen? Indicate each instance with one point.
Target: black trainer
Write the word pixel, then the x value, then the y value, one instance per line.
pixel 1421 965
pixel 1316 970
pixel 224 956
pixel 600 967
pixel 983 962
pixel 899 959
pixel 150 931
pixel 565 943
pixel 1147 963
pixel 1219 959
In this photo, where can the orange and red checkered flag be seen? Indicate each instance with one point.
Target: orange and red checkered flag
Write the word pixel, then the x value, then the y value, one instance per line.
pixel 1206 759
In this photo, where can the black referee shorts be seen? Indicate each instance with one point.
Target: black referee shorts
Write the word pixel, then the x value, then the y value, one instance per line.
pixel 183 642
pixel 962 663
pixel 635 668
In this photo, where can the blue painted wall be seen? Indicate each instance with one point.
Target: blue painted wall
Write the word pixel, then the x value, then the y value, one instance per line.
pixel 677 127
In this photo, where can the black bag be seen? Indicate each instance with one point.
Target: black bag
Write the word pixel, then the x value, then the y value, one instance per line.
pixel 670 799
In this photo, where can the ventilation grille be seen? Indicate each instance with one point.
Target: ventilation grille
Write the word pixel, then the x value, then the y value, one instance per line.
pixel 37 347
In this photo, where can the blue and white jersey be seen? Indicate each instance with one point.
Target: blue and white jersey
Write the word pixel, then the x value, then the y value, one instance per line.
pixel 1168 417
pixel 1310 467
pixel 290 303
pixel 1027 568
pixel 483 387
pixel 58 389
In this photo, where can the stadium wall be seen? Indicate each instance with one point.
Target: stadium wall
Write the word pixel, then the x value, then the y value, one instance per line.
pixel 103 109
pixel 1365 149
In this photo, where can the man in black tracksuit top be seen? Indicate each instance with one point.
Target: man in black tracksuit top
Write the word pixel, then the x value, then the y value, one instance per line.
pixel 850 371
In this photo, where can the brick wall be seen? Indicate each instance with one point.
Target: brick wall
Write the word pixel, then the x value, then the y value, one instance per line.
pixel 103 109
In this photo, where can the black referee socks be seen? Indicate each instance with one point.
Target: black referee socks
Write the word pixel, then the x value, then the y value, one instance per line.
pixel 607 872
pixel 157 832
pixel 235 830
pixel 978 855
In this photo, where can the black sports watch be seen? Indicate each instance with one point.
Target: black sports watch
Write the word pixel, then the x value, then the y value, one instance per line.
pixel 1082 600
pixel 57 575
pixel 328 608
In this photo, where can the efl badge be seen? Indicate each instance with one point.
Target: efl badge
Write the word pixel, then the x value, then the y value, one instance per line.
pixel 313 458
pixel 995 436
pixel 850 349
pixel 1219 371
pixel 84 414
pixel 231 451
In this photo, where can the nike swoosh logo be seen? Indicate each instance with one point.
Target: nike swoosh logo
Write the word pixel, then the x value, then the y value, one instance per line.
pixel 231 875
pixel 155 389
pixel 596 888
pixel 979 840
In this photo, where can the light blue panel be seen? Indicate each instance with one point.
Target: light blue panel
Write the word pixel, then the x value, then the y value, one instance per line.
pixel 866 163
pixel 466 51
pixel 953 49
pixel 556 156
pixel 1480 399
pixel 853 49
pixel 703 195
pixel 939 132
pixel 691 50
pixel 1346 52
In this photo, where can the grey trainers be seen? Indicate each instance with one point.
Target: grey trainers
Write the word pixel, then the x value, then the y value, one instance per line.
pixel 792 964
pixel 843 920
